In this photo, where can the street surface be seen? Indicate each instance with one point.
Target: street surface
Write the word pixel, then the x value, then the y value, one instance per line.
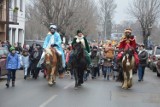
pixel 94 93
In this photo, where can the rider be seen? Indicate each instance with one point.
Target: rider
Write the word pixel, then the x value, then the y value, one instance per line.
pixel 128 41
pixel 81 38
pixel 53 39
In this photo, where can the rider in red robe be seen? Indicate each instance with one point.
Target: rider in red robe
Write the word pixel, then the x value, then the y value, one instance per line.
pixel 128 41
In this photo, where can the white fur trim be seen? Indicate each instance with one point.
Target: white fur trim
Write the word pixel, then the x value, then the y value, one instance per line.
pixel 80 39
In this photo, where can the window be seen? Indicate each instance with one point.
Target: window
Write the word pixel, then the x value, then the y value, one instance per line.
pixel 10 3
pixel 158 51
pixel 21 5
pixel 15 3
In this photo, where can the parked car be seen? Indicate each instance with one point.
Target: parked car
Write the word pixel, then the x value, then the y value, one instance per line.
pixel 149 58
pixel 158 68
pixel 3 55
pixel 154 58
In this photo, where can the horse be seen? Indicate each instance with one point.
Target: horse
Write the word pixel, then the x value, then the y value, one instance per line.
pixel 128 64
pixel 51 63
pixel 78 63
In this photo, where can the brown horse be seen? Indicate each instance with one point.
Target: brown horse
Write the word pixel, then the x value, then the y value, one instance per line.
pixel 51 60
pixel 128 64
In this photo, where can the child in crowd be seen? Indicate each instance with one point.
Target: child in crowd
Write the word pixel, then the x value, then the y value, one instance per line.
pixel 12 64
pixel 25 61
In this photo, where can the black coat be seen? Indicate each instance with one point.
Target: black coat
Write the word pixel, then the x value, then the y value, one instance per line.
pixel 143 56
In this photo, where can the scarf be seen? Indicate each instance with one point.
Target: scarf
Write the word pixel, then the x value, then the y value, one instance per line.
pixel 141 51
pixel 80 39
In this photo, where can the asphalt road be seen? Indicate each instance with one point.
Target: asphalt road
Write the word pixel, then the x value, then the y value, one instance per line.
pixel 94 93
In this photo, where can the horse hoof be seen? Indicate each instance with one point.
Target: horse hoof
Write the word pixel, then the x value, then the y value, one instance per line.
pixel 76 88
pixel 125 88
pixel 50 83
pixel 54 82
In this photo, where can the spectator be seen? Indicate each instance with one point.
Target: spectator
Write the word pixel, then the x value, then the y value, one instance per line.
pixel 12 64
pixel 142 62
pixel 25 61
pixel 95 57
pixel 35 57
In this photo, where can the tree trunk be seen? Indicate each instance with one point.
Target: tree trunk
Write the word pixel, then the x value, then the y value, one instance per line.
pixel 145 39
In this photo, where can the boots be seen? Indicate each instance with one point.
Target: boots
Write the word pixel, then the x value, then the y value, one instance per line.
pixel 7 84
pixel 107 77
pixel 13 83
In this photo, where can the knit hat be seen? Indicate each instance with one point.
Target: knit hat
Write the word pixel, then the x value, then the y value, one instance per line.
pixel 79 31
pixel 11 48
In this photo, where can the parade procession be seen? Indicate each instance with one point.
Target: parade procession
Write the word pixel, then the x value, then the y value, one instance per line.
pixel 79 53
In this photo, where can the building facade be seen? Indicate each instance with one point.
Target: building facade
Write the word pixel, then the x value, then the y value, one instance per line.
pixel 17 14
pixel 3 20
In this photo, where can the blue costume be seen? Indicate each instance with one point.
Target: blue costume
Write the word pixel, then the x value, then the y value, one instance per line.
pixel 50 40
pixel 55 39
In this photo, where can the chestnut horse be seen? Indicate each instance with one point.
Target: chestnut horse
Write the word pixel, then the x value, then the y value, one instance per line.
pixel 128 64
pixel 51 61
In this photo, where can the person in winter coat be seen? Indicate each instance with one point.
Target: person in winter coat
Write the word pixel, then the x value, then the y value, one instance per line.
pixel 143 55
pixel 12 64
pixel 95 57
pixel 35 57
pixel 81 38
pixel 25 61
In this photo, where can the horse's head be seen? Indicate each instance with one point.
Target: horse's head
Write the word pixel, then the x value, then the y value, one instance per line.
pixel 128 54
pixel 48 56
pixel 79 50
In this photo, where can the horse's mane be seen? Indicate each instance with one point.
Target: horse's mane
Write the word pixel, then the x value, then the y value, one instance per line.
pixel 49 51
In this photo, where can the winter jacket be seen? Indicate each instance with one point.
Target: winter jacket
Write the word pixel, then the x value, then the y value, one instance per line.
pixel 25 61
pixel 83 40
pixel 95 60
pixel 13 61
pixel 143 56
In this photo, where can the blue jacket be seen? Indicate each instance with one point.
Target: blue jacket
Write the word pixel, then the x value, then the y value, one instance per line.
pixel 13 61
pixel 54 39
pixel 57 40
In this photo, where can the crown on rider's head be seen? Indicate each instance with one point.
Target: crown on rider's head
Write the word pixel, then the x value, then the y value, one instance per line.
pixel 128 30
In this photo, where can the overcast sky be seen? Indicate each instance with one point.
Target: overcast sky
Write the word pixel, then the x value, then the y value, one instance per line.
pixel 121 11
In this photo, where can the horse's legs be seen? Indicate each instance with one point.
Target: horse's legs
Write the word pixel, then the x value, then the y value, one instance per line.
pixel 130 79
pixel 76 77
pixel 125 81
pixel 130 74
pixel 52 78
pixel 81 74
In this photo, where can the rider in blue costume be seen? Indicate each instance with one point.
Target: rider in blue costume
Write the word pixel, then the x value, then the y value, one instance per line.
pixel 53 39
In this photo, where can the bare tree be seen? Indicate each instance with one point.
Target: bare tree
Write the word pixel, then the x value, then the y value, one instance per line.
pixel 68 15
pixel 106 13
pixel 146 12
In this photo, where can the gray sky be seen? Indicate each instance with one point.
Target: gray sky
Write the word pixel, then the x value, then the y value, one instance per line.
pixel 121 11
